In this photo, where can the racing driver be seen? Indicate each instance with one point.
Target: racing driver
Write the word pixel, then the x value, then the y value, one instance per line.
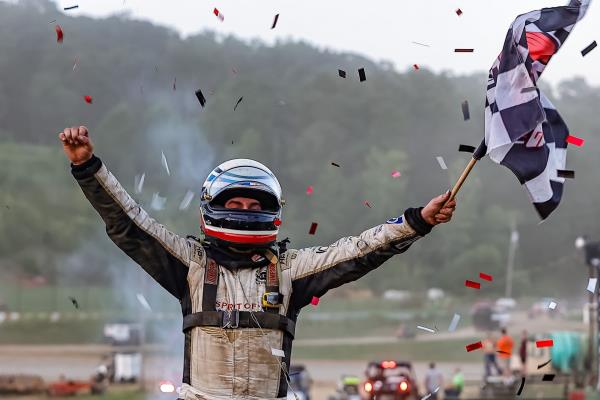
pixel 240 289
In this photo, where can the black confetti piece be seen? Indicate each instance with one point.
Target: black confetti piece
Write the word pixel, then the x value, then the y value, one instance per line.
pixel 548 377
pixel 521 387
pixel 70 8
pixel 200 97
pixel 335 165
pixel 464 50
pixel 313 228
pixel 540 366
pixel 591 47
pixel 361 74
pixel 465 148
pixel 275 21
pixel 74 301
pixel 563 173
pixel 238 102
pixel 342 73
pixel 465 110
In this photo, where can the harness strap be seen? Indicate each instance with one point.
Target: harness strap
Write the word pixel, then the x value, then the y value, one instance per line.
pixel 240 319
pixel 211 282
pixel 272 285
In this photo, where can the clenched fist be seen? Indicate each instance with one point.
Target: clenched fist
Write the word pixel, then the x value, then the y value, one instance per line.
pixel 437 211
pixel 76 144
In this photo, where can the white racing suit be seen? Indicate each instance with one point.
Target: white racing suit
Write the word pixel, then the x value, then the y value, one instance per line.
pixel 220 360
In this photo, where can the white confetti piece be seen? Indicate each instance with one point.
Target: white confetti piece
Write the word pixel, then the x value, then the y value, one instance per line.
pixel 158 203
pixel 143 301
pixel 454 323
pixel 552 305
pixel 425 329
pixel 277 352
pixel 591 287
pixel 187 199
pixel 139 182
pixel 442 163
pixel 164 163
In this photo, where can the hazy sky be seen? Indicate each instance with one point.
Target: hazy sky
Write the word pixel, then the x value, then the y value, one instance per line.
pixel 382 30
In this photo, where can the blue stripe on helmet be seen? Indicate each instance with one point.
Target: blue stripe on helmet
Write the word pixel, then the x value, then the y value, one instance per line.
pixel 266 176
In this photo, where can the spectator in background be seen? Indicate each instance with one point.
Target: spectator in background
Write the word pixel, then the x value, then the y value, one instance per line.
pixel 504 347
pixel 456 387
pixel 434 380
pixel 489 356
pixel 523 353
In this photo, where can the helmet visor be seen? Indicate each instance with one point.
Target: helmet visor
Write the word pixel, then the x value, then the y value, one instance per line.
pixel 244 181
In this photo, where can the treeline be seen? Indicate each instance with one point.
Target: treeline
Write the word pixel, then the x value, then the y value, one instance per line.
pixel 298 117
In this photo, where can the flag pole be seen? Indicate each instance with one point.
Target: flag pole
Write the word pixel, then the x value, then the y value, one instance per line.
pixel 462 178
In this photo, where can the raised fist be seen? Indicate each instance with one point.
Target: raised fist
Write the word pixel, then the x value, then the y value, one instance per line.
pixel 76 144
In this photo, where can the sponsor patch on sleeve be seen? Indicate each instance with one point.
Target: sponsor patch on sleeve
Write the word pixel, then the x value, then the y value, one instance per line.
pixel 397 220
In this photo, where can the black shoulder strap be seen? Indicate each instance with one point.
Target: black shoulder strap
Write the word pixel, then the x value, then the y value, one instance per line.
pixel 211 282
pixel 272 285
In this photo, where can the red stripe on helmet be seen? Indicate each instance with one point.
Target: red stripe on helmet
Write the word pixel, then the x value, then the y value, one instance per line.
pixel 239 238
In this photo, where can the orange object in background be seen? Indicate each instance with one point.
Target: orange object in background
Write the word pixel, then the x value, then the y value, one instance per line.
pixel 69 388
pixel 504 346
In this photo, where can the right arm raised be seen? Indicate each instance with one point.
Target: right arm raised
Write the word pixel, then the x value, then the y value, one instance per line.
pixel 163 254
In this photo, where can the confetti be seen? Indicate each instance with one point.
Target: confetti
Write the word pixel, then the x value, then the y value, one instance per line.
pixel 275 21
pixel 59 33
pixel 591 287
pixel 591 47
pixel 416 67
pixel 342 73
pixel 70 8
pixel 540 366
pixel 53 21
pixel 187 199
pixel 175 83
pixel 218 14
pixel 200 97
pixel 464 50
pixel 552 305
pixel 238 102
pixel 336 165
pixel 158 202
pixel 442 163
pixel 548 377
pixel 361 74
pixel 466 148
pixel 474 346
pixel 421 44
pixel 423 328
pixel 277 352
pixel 139 182
pixel 465 110
pixel 575 140
pixel 458 12
pixel 315 301
pixel 471 284
pixel 74 301
pixel 454 323
pixel 503 352
pixel 529 89
pixel 366 203
pixel 164 162
pixel 521 387
pixel 309 190
pixel 75 63
pixel 143 301
pixel 396 174
pixel 235 71
pixel 486 277
pixel 563 173
pixel 313 228
pixel 88 99
pixel 544 343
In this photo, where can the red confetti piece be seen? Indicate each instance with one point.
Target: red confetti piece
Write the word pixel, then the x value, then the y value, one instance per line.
pixel 59 33
pixel 366 203
pixel 416 67
pixel 88 99
pixel 313 228
pixel 471 284
pixel 459 12
pixel 309 190
pixel 396 174
pixel 486 277
pixel 277 222
pixel 575 140
pixel 474 346
pixel 218 14
pixel 544 343
pixel 314 301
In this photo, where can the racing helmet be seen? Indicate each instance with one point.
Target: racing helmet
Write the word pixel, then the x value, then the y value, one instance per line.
pixel 238 227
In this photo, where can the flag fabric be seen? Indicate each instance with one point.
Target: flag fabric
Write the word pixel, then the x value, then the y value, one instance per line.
pixel 523 130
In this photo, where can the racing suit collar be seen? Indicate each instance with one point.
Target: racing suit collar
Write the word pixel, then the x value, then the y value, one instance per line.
pixel 234 259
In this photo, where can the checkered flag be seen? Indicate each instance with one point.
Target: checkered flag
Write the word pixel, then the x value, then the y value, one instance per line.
pixel 523 130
